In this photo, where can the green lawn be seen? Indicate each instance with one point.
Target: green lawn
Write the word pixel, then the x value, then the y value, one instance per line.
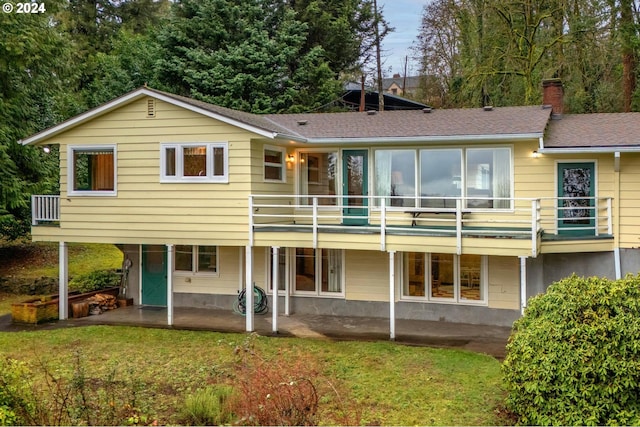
pixel 383 382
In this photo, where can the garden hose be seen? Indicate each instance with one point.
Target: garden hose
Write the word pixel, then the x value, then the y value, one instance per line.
pixel 260 301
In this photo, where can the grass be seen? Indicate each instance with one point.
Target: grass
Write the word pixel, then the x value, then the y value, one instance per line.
pixel 390 384
pixel 34 260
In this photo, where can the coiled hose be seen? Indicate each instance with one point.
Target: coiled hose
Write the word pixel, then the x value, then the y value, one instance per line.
pixel 260 302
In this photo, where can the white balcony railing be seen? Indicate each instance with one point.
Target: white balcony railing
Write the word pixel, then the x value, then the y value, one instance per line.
pixel 45 209
pixel 524 218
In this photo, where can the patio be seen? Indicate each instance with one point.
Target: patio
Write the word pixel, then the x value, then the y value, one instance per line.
pixel 478 338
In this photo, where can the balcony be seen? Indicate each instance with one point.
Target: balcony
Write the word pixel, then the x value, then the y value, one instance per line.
pixel 514 226
pixel 45 210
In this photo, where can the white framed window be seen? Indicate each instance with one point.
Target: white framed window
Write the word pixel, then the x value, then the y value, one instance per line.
pixel 318 176
pixel 274 164
pixel 434 177
pixel 444 277
pixel 92 170
pixel 196 259
pixel 194 162
pixel 318 272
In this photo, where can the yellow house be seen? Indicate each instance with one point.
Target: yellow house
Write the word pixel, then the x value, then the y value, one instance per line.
pixel 454 215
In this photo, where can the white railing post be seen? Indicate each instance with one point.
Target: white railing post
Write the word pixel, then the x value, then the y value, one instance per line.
pixel 383 224
pixel 609 220
pixel 315 223
pixel 596 216
pixel 458 226
pixel 250 220
pixel 34 219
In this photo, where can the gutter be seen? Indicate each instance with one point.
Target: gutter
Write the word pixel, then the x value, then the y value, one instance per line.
pixel 429 139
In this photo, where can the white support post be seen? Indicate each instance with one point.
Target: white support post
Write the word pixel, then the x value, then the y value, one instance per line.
pixel 274 287
pixel 248 287
pixel 170 284
pixel 534 227
pixel 315 223
pixel 458 226
pixel 392 295
pixel 523 284
pixel 63 281
pixel 383 224
pixel 287 284
pixel 616 263
pixel 250 221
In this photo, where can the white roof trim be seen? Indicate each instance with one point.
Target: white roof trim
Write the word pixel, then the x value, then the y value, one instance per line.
pixel 589 150
pixel 435 138
pixel 132 96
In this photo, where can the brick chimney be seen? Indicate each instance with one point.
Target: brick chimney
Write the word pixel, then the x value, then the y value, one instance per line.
pixel 553 94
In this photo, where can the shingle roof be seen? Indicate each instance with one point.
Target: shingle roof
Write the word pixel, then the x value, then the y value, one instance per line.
pixel 406 124
pixel 594 130
pixel 454 124
pixel 256 120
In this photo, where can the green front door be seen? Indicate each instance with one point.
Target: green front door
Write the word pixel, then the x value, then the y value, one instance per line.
pixel 355 185
pixel 154 275
pixel 576 204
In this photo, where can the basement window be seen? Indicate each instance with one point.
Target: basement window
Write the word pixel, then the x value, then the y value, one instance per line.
pixel 92 170
pixel 196 259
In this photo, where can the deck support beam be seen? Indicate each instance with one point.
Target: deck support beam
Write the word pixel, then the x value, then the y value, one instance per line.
pixel 392 295
pixel 274 288
pixel 170 284
pixel 248 287
pixel 63 281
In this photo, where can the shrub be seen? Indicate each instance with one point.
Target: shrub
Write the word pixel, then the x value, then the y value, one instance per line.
pixel 574 357
pixel 274 392
pixel 15 396
pixel 208 407
pixel 95 280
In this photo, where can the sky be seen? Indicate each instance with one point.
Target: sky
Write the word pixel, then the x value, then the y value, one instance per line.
pixel 405 16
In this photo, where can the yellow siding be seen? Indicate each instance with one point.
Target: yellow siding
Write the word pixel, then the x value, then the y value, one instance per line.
pixel 144 210
pixel 504 282
pixel 629 200
pixel 226 282
pixel 367 274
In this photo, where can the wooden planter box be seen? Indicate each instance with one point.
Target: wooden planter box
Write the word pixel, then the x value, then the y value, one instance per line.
pixel 40 310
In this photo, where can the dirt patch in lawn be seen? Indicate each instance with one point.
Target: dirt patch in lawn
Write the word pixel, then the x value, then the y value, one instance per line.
pixel 16 258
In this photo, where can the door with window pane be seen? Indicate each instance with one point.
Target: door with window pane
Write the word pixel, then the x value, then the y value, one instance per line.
pixel 154 275
pixel 355 187
pixel 576 204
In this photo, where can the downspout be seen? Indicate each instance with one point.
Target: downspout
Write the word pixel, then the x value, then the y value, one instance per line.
pixel 616 201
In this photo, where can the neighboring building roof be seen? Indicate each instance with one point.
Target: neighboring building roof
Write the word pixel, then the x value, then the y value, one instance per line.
pixel 409 82
pixel 605 131
pixel 351 98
